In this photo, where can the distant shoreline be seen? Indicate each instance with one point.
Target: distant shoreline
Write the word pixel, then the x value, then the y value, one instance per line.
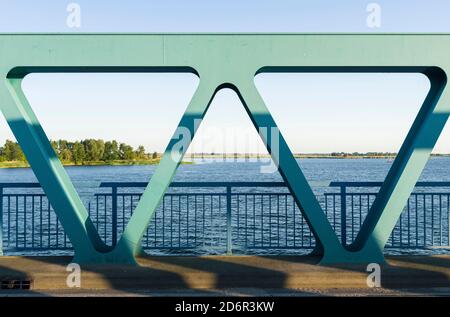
pixel 305 156
pixel 22 164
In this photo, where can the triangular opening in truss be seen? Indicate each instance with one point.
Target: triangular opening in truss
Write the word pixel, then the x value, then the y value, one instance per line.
pixel 90 111
pixel 228 152
pixel 344 127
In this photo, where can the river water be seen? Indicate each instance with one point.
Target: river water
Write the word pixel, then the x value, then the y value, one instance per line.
pixel 320 172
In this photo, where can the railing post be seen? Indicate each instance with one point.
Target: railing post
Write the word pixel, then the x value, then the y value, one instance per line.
pixel 343 215
pixel 1 220
pixel 229 229
pixel 114 214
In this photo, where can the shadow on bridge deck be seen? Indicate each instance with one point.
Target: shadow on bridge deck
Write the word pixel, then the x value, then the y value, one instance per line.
pixel 298 275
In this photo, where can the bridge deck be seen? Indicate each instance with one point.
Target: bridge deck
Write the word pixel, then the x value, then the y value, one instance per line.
pixel 222 272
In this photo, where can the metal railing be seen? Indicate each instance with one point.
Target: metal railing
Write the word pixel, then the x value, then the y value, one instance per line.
pixel 218 217
pixel 28 220
pixel 212 215
pixel 424 221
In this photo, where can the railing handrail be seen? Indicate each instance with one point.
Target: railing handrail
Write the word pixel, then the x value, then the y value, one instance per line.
pixel 198 184
pixel 228 184
pixel 20 185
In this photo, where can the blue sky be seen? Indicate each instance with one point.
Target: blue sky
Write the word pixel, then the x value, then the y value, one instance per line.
pixel 364 112
pixel 224 16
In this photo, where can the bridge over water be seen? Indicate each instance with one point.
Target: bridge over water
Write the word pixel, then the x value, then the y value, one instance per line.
pixel 230 61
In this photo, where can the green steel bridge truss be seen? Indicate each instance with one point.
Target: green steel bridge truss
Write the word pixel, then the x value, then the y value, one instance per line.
pixel 232 61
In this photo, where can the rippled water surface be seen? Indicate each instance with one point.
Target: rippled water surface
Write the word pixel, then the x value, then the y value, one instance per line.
pixel 320 172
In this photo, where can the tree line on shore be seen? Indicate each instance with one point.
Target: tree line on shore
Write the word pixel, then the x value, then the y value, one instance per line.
pixel 84 151
pixel 367 154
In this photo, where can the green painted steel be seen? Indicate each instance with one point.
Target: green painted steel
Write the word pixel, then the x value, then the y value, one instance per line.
pixel 226 60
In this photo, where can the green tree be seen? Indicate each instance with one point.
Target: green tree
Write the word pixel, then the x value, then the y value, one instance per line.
pixel 78 153
pixel 126 152
pixel 111 152
pixel 94 149
pixel 13 152
pixel 140 153
pixel 65 151
pixel 65 155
